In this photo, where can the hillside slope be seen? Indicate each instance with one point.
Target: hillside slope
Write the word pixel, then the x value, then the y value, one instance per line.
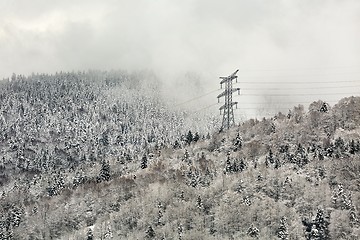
pixel 294 176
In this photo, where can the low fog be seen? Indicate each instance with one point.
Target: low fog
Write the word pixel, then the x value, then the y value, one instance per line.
pixel 288 52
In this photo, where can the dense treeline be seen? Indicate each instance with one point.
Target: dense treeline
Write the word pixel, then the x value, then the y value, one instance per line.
pixel 63 130
pixel 49 122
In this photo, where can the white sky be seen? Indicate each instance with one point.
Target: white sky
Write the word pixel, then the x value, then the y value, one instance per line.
pixel 266 40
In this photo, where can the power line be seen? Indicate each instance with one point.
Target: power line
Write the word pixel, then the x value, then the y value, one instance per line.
pixel 275 89
pixel 309 75
pixel 196 98
pixel 304 68
pixel 201 109
pixel 284 95
pixel 304 88
pixel 282 103
pixel 302 82
pixel 299 94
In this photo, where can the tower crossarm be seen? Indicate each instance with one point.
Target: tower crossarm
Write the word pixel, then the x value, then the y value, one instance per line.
pixel 225 79
pixel 226 105
pixel 228 92
pixel 229 78
pixel 232 76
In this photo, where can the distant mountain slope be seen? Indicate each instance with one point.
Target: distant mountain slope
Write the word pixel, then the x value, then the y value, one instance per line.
pixel 61 121
pixel 294 176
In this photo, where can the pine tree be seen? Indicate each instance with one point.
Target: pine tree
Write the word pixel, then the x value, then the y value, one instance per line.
pixel 238 142
pixel 340 147
pixel 160 214
pixel 270 158
pixel 199 203
pixel 242 165
pixel 282 232
pixel 194 178
pixel 16 215
pixel 108 234
pixel 253 231
pixel 189 137
pixel 89 235
pixel 234 166
pixel 104 174
pixel 267 162
pixel 247 201
pixel 105 139
pixel 79 178
pixel 352 147
pixel 301 156
pixel 180 231
pixel 277 163
pixel 208 136
pixel 176 144
pixel 150 233
pixel 321 225
pixel 56 185
pixel 324 108
pixel 353 216
pixel 228 167
pixel 144 162
pixel 196 137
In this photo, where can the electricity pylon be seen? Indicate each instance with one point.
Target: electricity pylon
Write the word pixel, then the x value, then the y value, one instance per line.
pixel 228 114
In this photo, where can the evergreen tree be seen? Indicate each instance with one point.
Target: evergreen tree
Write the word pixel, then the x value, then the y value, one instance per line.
pixel 270 158
pixel 253 231
pixel 228 167
pixel 301 156
pixel 187 157
pixel 105 139
pixel 189 137
pixel 234 166
pixel 79 178
pixel 353 217
pixel 56 185
pixel 180 231
pixel 321 225
pixel 208 136
pixel 194 178
pixel 242 165
pixel 282 232
pixel 324 108
pixel 104 174
pixel 238 142
pixel 289 115
pixel 89 235
pixel 144 162
pixel 160 214
pixel 150 233
pixel 176 144
pixel 340 147
pixel 199 203
pixel 196 137
pixel 247 201
pixel 277 163
pixel 15 216
pixel 353 148
pixel 267 162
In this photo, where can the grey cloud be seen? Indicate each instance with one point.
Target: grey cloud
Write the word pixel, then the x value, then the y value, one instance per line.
pixel 209 37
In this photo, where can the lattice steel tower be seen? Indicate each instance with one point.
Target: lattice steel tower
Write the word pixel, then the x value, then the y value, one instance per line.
pixel 228 114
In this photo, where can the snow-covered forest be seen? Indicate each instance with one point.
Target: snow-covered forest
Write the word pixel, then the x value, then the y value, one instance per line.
pixel 101 155
pixel 62 130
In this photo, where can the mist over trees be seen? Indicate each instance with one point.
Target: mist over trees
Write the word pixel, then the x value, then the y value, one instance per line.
pixel 101 155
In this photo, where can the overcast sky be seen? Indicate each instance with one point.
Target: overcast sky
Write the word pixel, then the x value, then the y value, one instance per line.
pixel 210 37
